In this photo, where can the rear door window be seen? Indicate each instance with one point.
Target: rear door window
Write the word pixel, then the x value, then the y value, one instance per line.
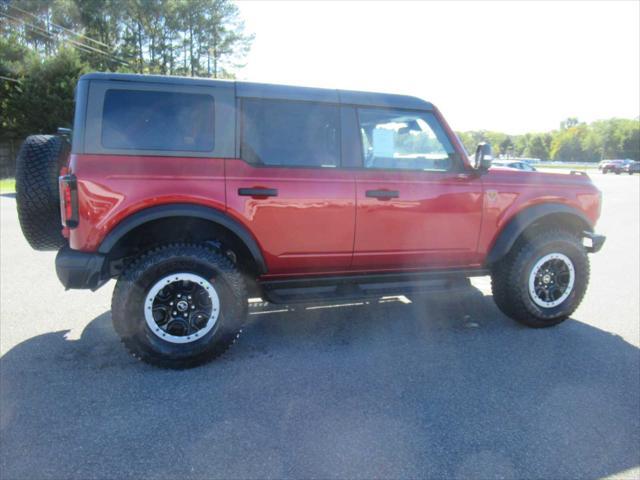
pixel 290 133
pixel 157 120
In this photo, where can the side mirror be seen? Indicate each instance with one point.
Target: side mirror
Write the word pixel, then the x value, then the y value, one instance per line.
pixel 483 157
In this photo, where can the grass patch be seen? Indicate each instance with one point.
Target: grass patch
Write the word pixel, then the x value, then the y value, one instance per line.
pixel 7 185
pixel 567 166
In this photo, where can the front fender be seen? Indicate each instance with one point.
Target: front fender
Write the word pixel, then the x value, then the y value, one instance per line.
pixel 519 223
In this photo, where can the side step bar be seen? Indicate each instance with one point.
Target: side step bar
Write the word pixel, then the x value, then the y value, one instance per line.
pixel 354 287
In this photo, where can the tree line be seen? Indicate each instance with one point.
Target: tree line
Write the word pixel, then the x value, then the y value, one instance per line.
pixel 574 141
pixel 174 37
pixel 45 45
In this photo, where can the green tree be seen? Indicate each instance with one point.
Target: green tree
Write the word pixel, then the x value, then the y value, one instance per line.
pixel 631 140
pixel 520 144
pixel 575 141
pixel 467 140
pixel 537 148
pixel 100 26
pixel 506 146
pixel 44 97
pixel 227 43
pixel 567 145
pixel 188 37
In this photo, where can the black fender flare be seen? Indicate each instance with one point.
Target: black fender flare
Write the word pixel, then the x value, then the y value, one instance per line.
pixel 184 210
pixel 519 223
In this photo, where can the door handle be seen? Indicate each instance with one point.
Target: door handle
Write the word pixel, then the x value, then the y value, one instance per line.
pixel 258 192
pixel 382 194
pixel 465 177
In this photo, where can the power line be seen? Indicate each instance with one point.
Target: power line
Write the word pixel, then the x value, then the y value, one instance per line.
pixel 43 33
pixel 60 27
pixel 82 46
pixel 50 36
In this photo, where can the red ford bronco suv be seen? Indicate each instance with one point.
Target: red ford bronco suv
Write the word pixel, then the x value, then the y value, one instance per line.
pixel 195 194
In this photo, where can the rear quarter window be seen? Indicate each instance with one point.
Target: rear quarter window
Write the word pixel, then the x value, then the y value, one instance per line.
pixel 157 120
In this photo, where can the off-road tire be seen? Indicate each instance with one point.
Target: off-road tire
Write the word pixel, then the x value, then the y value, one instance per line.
pixel 509 279
pixel 127 305
pixel 37 196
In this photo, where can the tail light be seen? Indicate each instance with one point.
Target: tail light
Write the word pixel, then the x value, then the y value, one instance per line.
pixel 69 201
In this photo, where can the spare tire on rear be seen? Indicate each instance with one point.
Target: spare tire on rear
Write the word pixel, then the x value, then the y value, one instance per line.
pixel 37 195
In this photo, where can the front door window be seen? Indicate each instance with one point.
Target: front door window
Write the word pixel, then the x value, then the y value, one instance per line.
pixel 404 140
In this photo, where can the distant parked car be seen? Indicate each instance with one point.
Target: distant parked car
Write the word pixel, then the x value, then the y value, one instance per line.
pixel 515 164
pixel 530 161
pixel 631 167
pixel 615 166
pixel 605 163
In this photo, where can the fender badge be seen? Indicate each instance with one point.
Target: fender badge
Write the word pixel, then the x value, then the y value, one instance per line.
pixel 492 195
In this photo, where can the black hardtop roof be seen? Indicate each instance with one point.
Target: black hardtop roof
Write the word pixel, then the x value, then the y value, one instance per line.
pixel 283 92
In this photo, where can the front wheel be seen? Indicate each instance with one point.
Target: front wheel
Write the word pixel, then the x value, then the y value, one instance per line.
pixel 543 280
pixel 179 306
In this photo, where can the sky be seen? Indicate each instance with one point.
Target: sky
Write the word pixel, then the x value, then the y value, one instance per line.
pixel 513 67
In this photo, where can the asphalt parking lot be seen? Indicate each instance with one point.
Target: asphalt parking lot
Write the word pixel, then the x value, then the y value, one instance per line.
pixel 438 386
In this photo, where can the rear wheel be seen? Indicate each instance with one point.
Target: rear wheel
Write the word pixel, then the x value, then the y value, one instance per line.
pixel 179 306
pixel 543 280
